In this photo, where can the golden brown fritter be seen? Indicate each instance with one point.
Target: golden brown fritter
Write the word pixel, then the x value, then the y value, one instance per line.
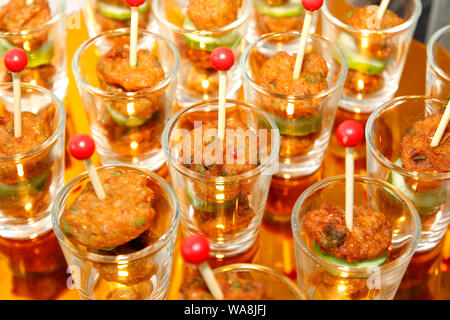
pixel 122 216
pixel 370 237
pixel 114 69
pixel 212 14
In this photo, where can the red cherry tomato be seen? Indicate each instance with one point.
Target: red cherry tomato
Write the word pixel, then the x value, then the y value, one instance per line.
pixel 222 58
pixel 349 133
pixel 312 5
pixel 81 146
pixel 135 3
pixel 16 60
pixel 195 249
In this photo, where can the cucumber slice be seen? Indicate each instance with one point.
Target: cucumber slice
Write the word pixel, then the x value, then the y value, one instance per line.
pixel 425 202
pixel 117 12
pixel 124 121
pixel 290 9
pixel 199 42
pixel 300 127
pixel 35 184
pixel 363 264
pixel 356 61
pixel 202 205
pixel 38 57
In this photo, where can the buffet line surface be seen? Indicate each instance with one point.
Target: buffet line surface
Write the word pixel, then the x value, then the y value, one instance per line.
pixel 427 277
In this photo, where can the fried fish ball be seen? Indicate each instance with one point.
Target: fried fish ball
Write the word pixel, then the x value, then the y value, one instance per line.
pixel 114 70
pixel 418 155
pixel 212 14
pixel 122 216
pixel 17 16
pixel 370 237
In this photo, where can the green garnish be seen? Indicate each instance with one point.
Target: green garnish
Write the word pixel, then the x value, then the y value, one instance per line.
pixel 248 287
pixel 140 222
pixel 116 173
pixel 108 248
pixel 319 76
pixel 66 227
pixel 199 168
pixel 411 131
pixel 348 14
pixel 310 79
pixel 235 285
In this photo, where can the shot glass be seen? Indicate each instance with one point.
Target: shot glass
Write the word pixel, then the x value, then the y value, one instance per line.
pixel 438 65
pixel 305 122
pixel 269 18
pixel 46 49
pixel 375 57
pixel 198 80
pixel 323 280
pixel 140 275
pixel 225 208
pixel 30 181
pixel 101 16
pixel 429 192
pixel 274 285
pixel 126 138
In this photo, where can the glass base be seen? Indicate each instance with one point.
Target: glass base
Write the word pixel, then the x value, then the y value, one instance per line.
pixel 196 84
pixel 434 227
pixel 26 231
pixel 229 248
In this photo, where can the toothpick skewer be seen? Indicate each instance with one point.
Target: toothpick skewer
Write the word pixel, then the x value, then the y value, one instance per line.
pixel 441 127
pixel 381 10
pixel 195 250
pixel 134 25
pixel 349 133
pixel 310 6
pixel 16 61
pixel 82 147
pixel 222 59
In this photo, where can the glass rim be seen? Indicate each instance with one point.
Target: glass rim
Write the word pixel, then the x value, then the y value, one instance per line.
pixel 60 12
pixel 57 133
pixel 388 267
pixel 148 250
pixel 430 54
pixel 315 37
pixel 202 177
pixel 401 27
pixel 385 161
pixel 235 24
pixel 81 82
pixel 264 270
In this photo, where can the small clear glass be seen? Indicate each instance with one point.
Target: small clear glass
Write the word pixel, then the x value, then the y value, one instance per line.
pixel 302 152
pixel 438 64
pixel 385 130
pixel 120 142
pixel 141 275
pixel 375 57
pixel 29 182
pixel 322 280
pixel 226 209
pixel 46 50
pixel 198 80
pixel 101 16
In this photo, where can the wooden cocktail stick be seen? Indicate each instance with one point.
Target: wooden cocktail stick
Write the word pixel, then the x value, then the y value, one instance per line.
pixel 380 13
pixel 195 250
pixel 82 147
pixel 16 61
pixel 310 6
pixel 441 127
pixel 349 133
pixel 222 60
pixel 134 25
